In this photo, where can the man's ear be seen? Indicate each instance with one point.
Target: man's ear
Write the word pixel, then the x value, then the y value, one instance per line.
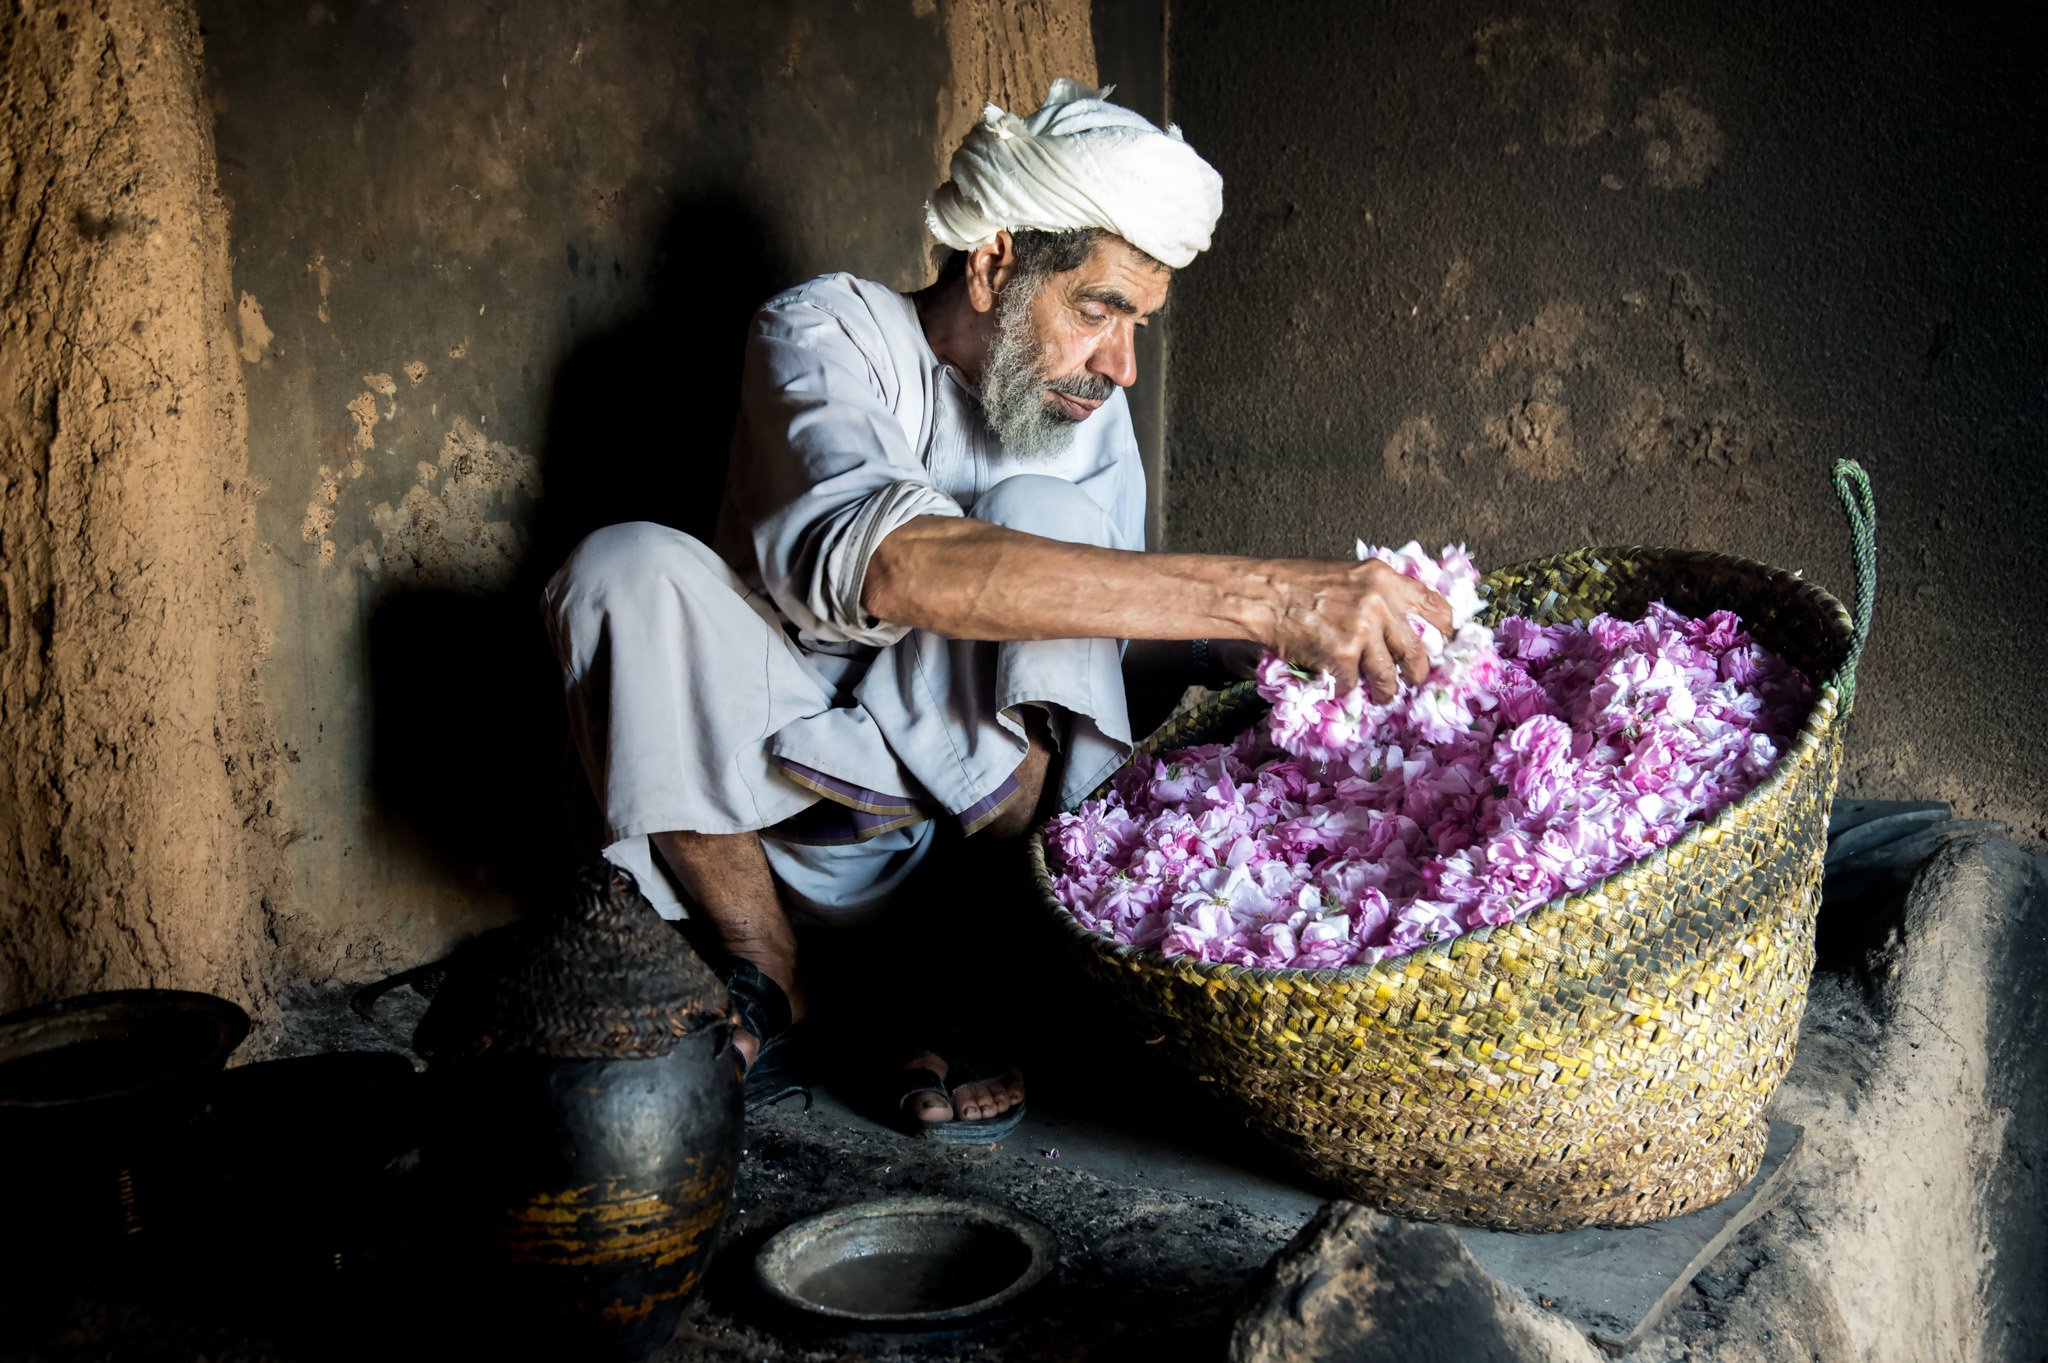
pixel 989 268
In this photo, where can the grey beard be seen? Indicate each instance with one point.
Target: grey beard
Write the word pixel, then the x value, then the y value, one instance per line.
pixel 1013 387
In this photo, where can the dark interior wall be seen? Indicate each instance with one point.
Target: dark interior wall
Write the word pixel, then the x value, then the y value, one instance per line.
pixel 494 262
pixel 1130 48
pixel 1534 276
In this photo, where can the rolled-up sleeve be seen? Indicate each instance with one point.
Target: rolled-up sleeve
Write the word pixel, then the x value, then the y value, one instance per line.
pixel 830 470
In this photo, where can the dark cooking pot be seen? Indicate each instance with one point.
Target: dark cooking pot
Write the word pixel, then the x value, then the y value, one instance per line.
pixel 582 1123
pixel 98 1095
pixel 298 1166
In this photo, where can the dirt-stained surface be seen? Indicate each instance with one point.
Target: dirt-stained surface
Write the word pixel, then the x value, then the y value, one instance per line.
pixel 139 844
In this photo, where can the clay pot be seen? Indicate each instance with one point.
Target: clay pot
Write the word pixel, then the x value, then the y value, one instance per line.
pixel 583 1125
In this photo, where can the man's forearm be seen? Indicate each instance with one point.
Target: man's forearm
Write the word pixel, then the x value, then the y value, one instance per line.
pixel 967 579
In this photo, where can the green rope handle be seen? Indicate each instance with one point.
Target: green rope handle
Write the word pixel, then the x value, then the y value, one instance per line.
pixel 1852 485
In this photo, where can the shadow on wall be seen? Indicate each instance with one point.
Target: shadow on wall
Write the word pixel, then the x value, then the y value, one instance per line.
pixel 641 417
pixel 638 428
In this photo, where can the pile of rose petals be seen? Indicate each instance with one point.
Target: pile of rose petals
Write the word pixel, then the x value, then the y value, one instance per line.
pixel 1534 760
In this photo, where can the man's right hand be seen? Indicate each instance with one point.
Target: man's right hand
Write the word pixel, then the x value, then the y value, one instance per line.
pixel 1350 619
pixel 966 579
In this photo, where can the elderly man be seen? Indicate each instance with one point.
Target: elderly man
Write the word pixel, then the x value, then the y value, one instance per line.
pixel 913 623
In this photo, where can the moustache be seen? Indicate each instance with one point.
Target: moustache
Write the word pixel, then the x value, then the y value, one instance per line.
pixel 1088 388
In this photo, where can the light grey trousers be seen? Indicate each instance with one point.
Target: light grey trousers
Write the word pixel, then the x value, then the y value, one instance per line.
pixel 694 709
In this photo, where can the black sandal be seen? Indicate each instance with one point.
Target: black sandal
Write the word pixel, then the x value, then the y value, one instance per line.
pixel 782 1065
pixel 914 1083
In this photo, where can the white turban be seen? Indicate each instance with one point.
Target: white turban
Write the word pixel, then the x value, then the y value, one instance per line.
pixel 1080 161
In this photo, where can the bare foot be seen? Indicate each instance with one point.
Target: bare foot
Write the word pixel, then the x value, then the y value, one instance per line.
pixel 975 1102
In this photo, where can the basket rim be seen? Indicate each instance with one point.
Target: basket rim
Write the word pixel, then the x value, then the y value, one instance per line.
pixel 1818 727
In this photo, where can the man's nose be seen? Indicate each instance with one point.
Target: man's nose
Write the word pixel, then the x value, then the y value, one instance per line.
pixel 1116 359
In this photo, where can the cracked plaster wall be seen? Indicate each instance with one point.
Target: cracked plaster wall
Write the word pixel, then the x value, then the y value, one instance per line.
pixel 1537 276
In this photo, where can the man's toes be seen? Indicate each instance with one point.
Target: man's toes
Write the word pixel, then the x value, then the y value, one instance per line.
pixel 1006 1091
pixel 989 1097
pixel 931 1107
pixel 974 1102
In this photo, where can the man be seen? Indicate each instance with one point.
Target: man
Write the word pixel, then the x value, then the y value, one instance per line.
pixel 926 566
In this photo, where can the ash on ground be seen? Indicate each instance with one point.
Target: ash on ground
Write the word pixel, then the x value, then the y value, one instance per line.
pixel 1139 1269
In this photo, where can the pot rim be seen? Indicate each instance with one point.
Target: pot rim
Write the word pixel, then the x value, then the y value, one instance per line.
pixel 776 1257
pixel 60 1022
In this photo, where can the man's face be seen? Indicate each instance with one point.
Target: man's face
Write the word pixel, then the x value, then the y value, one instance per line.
pixel 1062 348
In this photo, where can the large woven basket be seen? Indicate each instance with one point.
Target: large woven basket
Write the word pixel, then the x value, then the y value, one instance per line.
pixel 1605 1060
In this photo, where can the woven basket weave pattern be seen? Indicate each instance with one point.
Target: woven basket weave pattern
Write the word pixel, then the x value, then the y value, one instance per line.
pixel 601 977
pixel 1605 1060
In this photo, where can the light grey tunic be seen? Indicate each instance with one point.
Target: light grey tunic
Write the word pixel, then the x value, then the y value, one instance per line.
pixel 747 689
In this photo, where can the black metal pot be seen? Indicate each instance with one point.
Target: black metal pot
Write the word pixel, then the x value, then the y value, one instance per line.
pixel 582 1127
pixel 297 1160
pixel 99 1095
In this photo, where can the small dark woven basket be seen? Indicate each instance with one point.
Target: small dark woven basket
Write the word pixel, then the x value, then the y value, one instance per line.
pixel 599 977
pixel 1605 1060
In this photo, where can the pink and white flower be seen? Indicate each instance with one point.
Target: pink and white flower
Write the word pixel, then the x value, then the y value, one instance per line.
pixel 1534 760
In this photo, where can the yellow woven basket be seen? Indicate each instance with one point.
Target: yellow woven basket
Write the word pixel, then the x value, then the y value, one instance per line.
pixel 1603 1061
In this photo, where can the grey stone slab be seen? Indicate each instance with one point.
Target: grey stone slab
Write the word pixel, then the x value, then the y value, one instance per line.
pixel 1845 815
pixel 1856 824
pixel 1616 1284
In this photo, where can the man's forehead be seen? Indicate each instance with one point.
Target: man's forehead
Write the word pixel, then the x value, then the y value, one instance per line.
pixel 1123 277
